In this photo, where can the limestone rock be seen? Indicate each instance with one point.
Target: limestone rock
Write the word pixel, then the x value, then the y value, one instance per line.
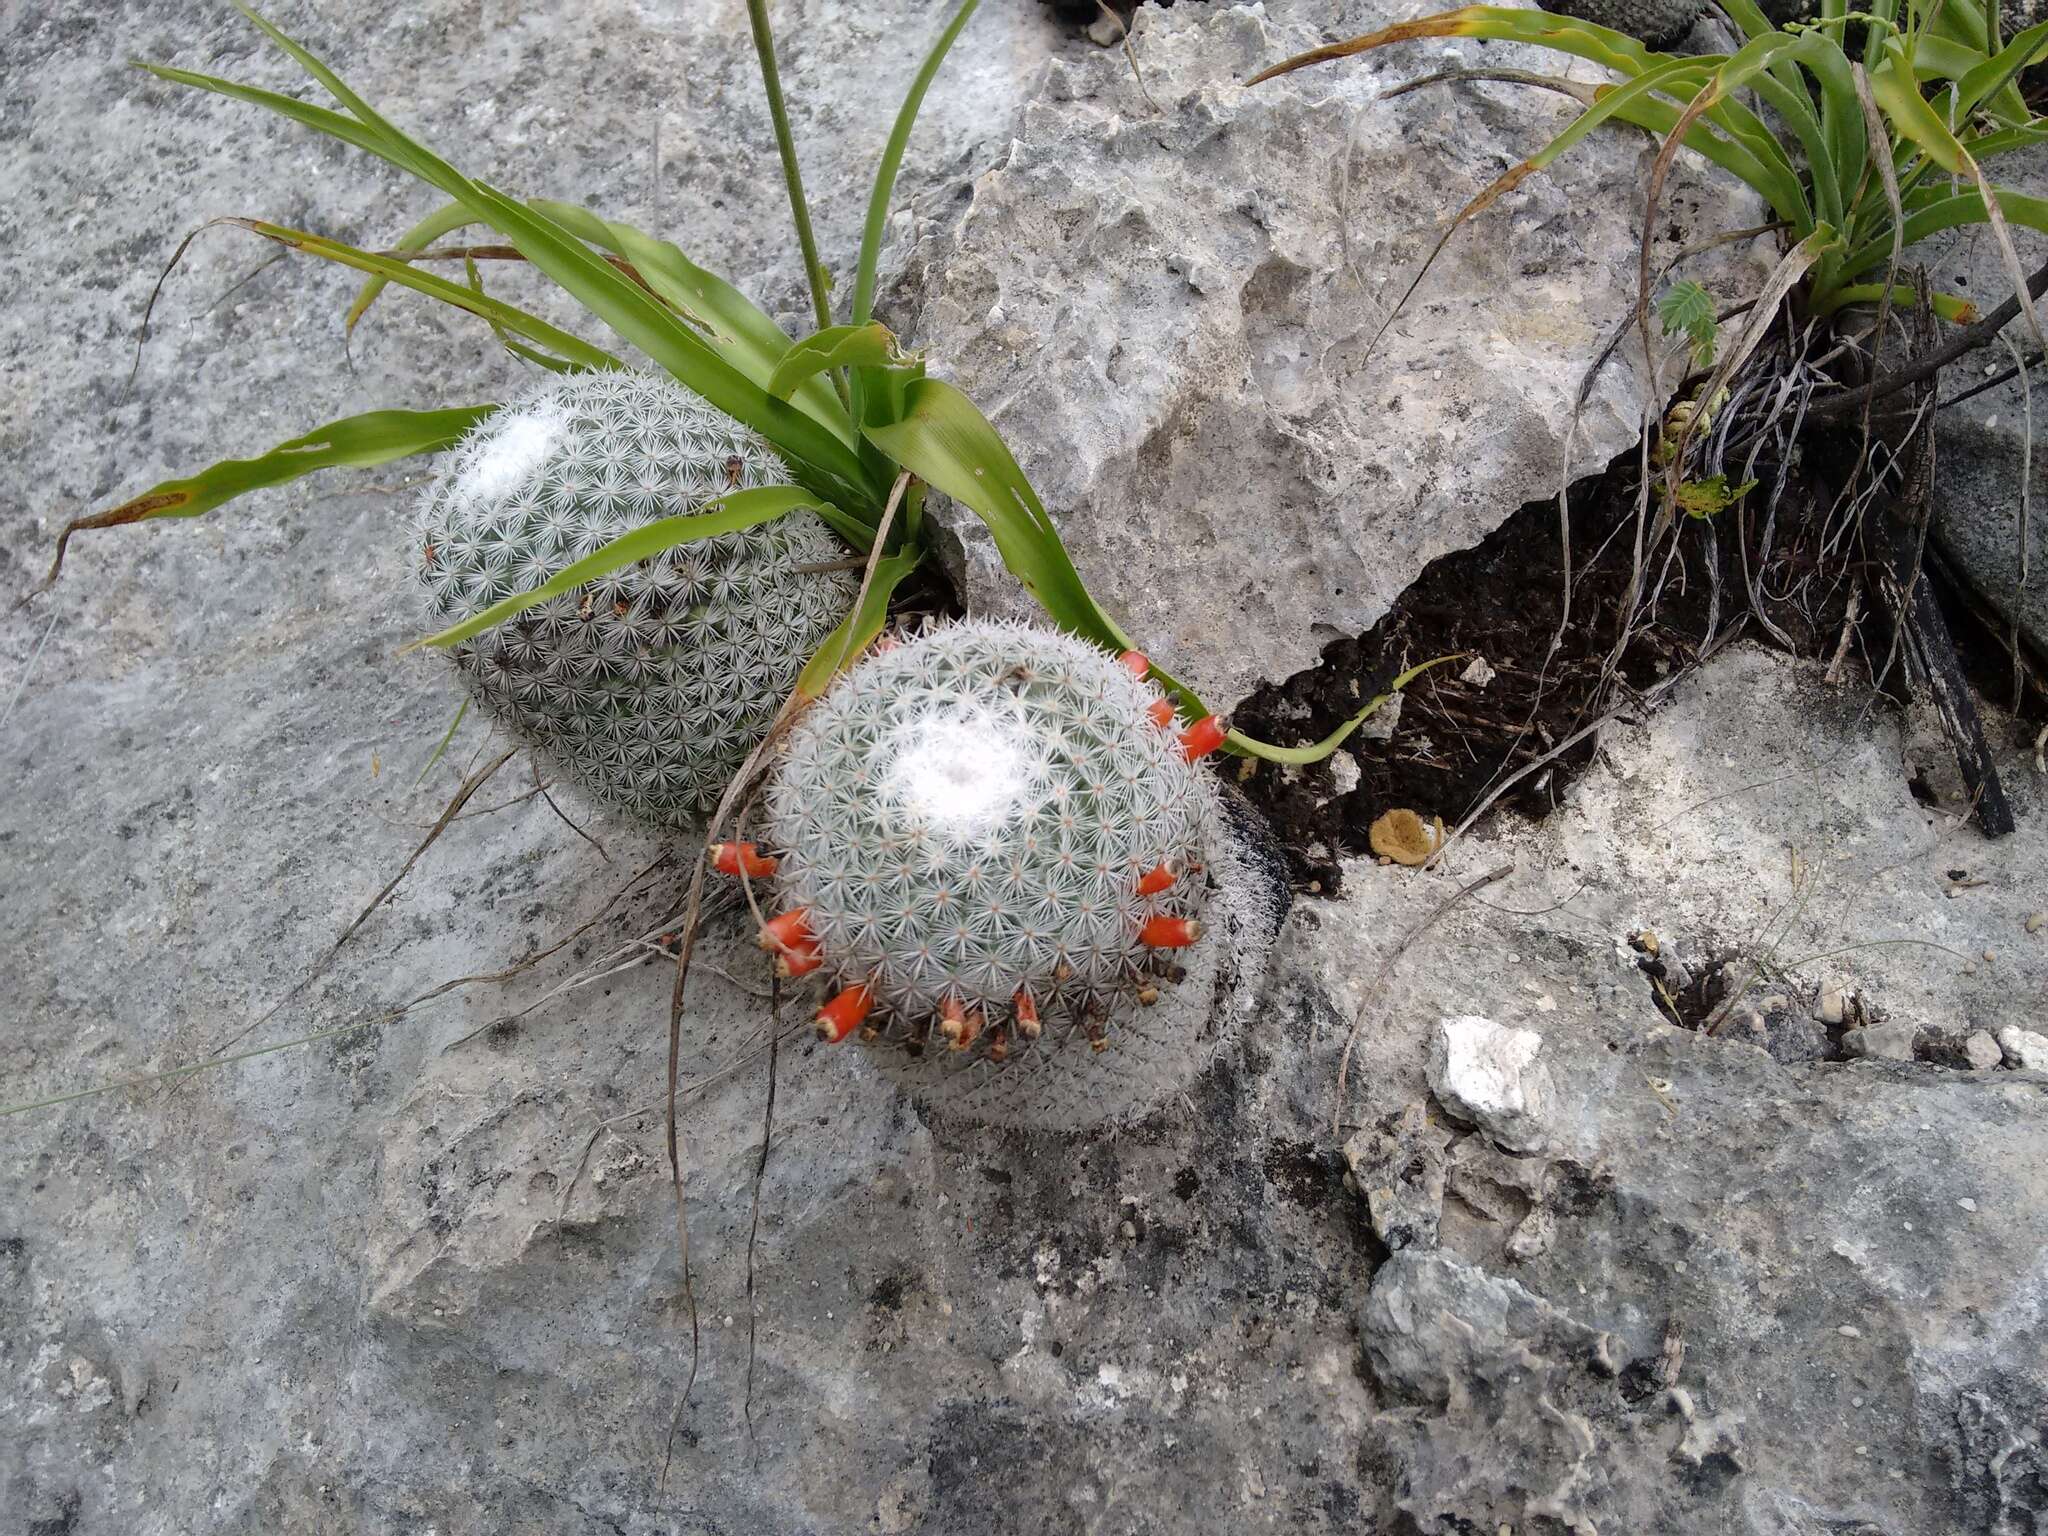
pixel 1605 1343
pixel 1399 1169
pixel 1890 1040
pixel 1170 313
pixel 2025 1048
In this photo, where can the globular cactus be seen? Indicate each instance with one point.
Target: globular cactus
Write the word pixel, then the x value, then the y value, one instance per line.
pixel 982 831
pixel 651 684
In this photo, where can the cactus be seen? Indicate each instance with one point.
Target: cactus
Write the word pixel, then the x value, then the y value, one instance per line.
pixel 982 826
pixel 651 684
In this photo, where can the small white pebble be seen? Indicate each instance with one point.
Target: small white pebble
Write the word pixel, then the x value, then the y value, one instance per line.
pixel 1862 1450
pixel 1967 1203
pixel 1850 1331
pixel 1990 955
pixel 2036 921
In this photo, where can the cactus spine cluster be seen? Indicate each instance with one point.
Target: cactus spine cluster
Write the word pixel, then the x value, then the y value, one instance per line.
pixel 983 826
pixel 654 683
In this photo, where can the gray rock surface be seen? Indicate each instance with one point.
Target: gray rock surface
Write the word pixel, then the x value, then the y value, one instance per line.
pixel 1983 1050
pixel 2026 1048
pixel 1168 305
pixel 1737 1295
pixel 421 1273
pixel 1891 1040
pixel 1989 489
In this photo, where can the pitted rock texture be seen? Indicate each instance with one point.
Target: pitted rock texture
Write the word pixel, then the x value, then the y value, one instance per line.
pixel 1733 1294
pixel 372 1284
pixel 1169 312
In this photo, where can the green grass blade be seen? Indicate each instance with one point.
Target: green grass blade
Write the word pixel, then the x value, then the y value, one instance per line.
pixel 1951 307
pixel 785 151
pixel 2001 141
pixel 1762 161
pixel 815 454
pixel 1898 93
pixel 1749 17
pixel 376 437
pixel 892 162
pixel 1985 80
pixel 944 440
pixel 817 457
pixel 1792 88
pixel 856 632
pixel 736 327
pixel 1948 211
pixel 389 142
pixel 839 346
pixel 444 220
pixel 506 339
pixel 1583 39
pixel 1609 103
pixel 319 119
pixel 453 726
pixel 741 509
pixel 457 295
pixel 1750 67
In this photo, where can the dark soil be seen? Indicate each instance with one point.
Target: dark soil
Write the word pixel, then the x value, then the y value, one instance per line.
pixel 1456 739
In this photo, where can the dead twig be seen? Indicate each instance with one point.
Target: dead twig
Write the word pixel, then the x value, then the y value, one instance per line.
pixel 741 785
pixel 542 790
pixel 469 787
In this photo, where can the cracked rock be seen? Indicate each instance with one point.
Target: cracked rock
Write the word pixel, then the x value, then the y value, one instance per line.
pixel 1399 1168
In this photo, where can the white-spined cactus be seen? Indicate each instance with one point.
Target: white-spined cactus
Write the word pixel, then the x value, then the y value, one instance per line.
pixel 980 826
pixel 651 684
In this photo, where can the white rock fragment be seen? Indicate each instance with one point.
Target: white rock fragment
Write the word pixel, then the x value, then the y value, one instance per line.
pixel 1478 672
pixel 1982 1050
pixel 1488 1075
pixel 2024 1048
